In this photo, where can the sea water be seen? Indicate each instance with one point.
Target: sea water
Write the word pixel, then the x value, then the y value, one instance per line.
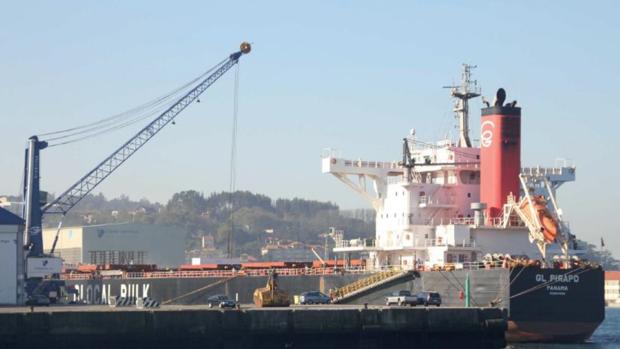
pixel 607 336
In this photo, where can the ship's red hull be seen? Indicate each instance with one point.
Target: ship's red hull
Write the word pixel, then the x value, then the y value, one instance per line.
pixel 556 332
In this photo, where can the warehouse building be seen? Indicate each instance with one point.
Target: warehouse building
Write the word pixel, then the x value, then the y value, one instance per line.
pixel 118 243
pixel 11 226
pixel 612 288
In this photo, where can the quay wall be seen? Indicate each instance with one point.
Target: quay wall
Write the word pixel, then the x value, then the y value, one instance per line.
pixel 295 327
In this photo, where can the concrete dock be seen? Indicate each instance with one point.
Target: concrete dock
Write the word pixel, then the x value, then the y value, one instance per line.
pixel 314 327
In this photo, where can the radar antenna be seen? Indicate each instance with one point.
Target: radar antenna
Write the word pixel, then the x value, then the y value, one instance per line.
pixel 462 94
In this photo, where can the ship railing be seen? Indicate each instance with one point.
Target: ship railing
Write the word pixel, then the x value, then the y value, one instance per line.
pixel 451 221
pixel 428 200
pixel 546 171
pixel 462 221
pixel 356 243
pixel 395 179
pixel 463 165
pixel 515 221
pixel 442 242
pixel 462 266
pixel 219 273
pixel 77 276
pixel 483 265
pixel 371 164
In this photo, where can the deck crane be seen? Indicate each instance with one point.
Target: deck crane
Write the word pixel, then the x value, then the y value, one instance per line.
pixel 35 206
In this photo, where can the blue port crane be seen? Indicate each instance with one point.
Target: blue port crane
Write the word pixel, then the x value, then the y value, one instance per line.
pixel 35 206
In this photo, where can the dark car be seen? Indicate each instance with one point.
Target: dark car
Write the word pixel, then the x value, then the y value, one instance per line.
pixel 429 298
pixel 38 299
pixel 314 297
pixel 222 301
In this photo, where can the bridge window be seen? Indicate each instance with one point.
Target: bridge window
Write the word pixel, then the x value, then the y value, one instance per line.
pixel 470 177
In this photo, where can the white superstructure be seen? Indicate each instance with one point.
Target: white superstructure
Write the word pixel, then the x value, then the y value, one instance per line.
pixel 428 209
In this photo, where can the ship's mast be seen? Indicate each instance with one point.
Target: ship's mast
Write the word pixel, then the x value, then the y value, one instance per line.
pixel 462 94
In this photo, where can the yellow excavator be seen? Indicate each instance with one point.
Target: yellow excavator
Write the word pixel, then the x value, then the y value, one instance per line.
pixel 271 295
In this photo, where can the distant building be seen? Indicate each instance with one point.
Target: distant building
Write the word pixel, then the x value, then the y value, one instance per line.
pixel 11 204
pixel 4 201
pixel 612 288
pixel 300 254
pixel 10 226
pixel 367 215
pixel 118 243
pixel 288 251
pixel 208 242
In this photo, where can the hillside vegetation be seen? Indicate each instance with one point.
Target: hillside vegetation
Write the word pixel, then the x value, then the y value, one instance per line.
pixel 251 217
pixel 254 217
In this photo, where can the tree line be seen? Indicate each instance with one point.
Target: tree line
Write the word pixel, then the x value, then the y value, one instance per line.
pixel 247 217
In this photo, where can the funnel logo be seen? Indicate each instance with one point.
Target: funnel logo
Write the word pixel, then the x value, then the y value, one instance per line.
pixel 486 133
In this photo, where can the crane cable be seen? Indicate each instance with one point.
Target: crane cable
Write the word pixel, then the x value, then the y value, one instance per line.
pixel 111 128
pixel 138 108
pixel 126 118
pixel 233 162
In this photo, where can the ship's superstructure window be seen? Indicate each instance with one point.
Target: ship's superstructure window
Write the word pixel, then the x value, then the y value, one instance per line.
pixel 470 177
pixel 451 178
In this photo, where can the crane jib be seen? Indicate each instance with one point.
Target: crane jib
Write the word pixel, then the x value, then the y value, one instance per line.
pixel 87 183
pixel 33 210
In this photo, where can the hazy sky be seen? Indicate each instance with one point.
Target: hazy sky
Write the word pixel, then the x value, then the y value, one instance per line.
pixel 351 75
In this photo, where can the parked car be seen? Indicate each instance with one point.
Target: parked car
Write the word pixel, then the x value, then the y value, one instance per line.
pixel 402 297
pixel 38 299
pixel 314 297
pixel 429 298
pixel 222 301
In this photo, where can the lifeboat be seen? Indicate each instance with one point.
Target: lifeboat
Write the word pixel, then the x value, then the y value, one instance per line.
pixel 550 226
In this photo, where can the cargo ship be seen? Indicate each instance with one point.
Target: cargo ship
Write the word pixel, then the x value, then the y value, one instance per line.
pixel 469 222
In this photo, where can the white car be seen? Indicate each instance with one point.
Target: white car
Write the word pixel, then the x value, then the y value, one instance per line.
pixel 402 297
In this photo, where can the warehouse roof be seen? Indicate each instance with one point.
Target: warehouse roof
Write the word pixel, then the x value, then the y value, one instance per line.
pixel 8 218
pixel 612 275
